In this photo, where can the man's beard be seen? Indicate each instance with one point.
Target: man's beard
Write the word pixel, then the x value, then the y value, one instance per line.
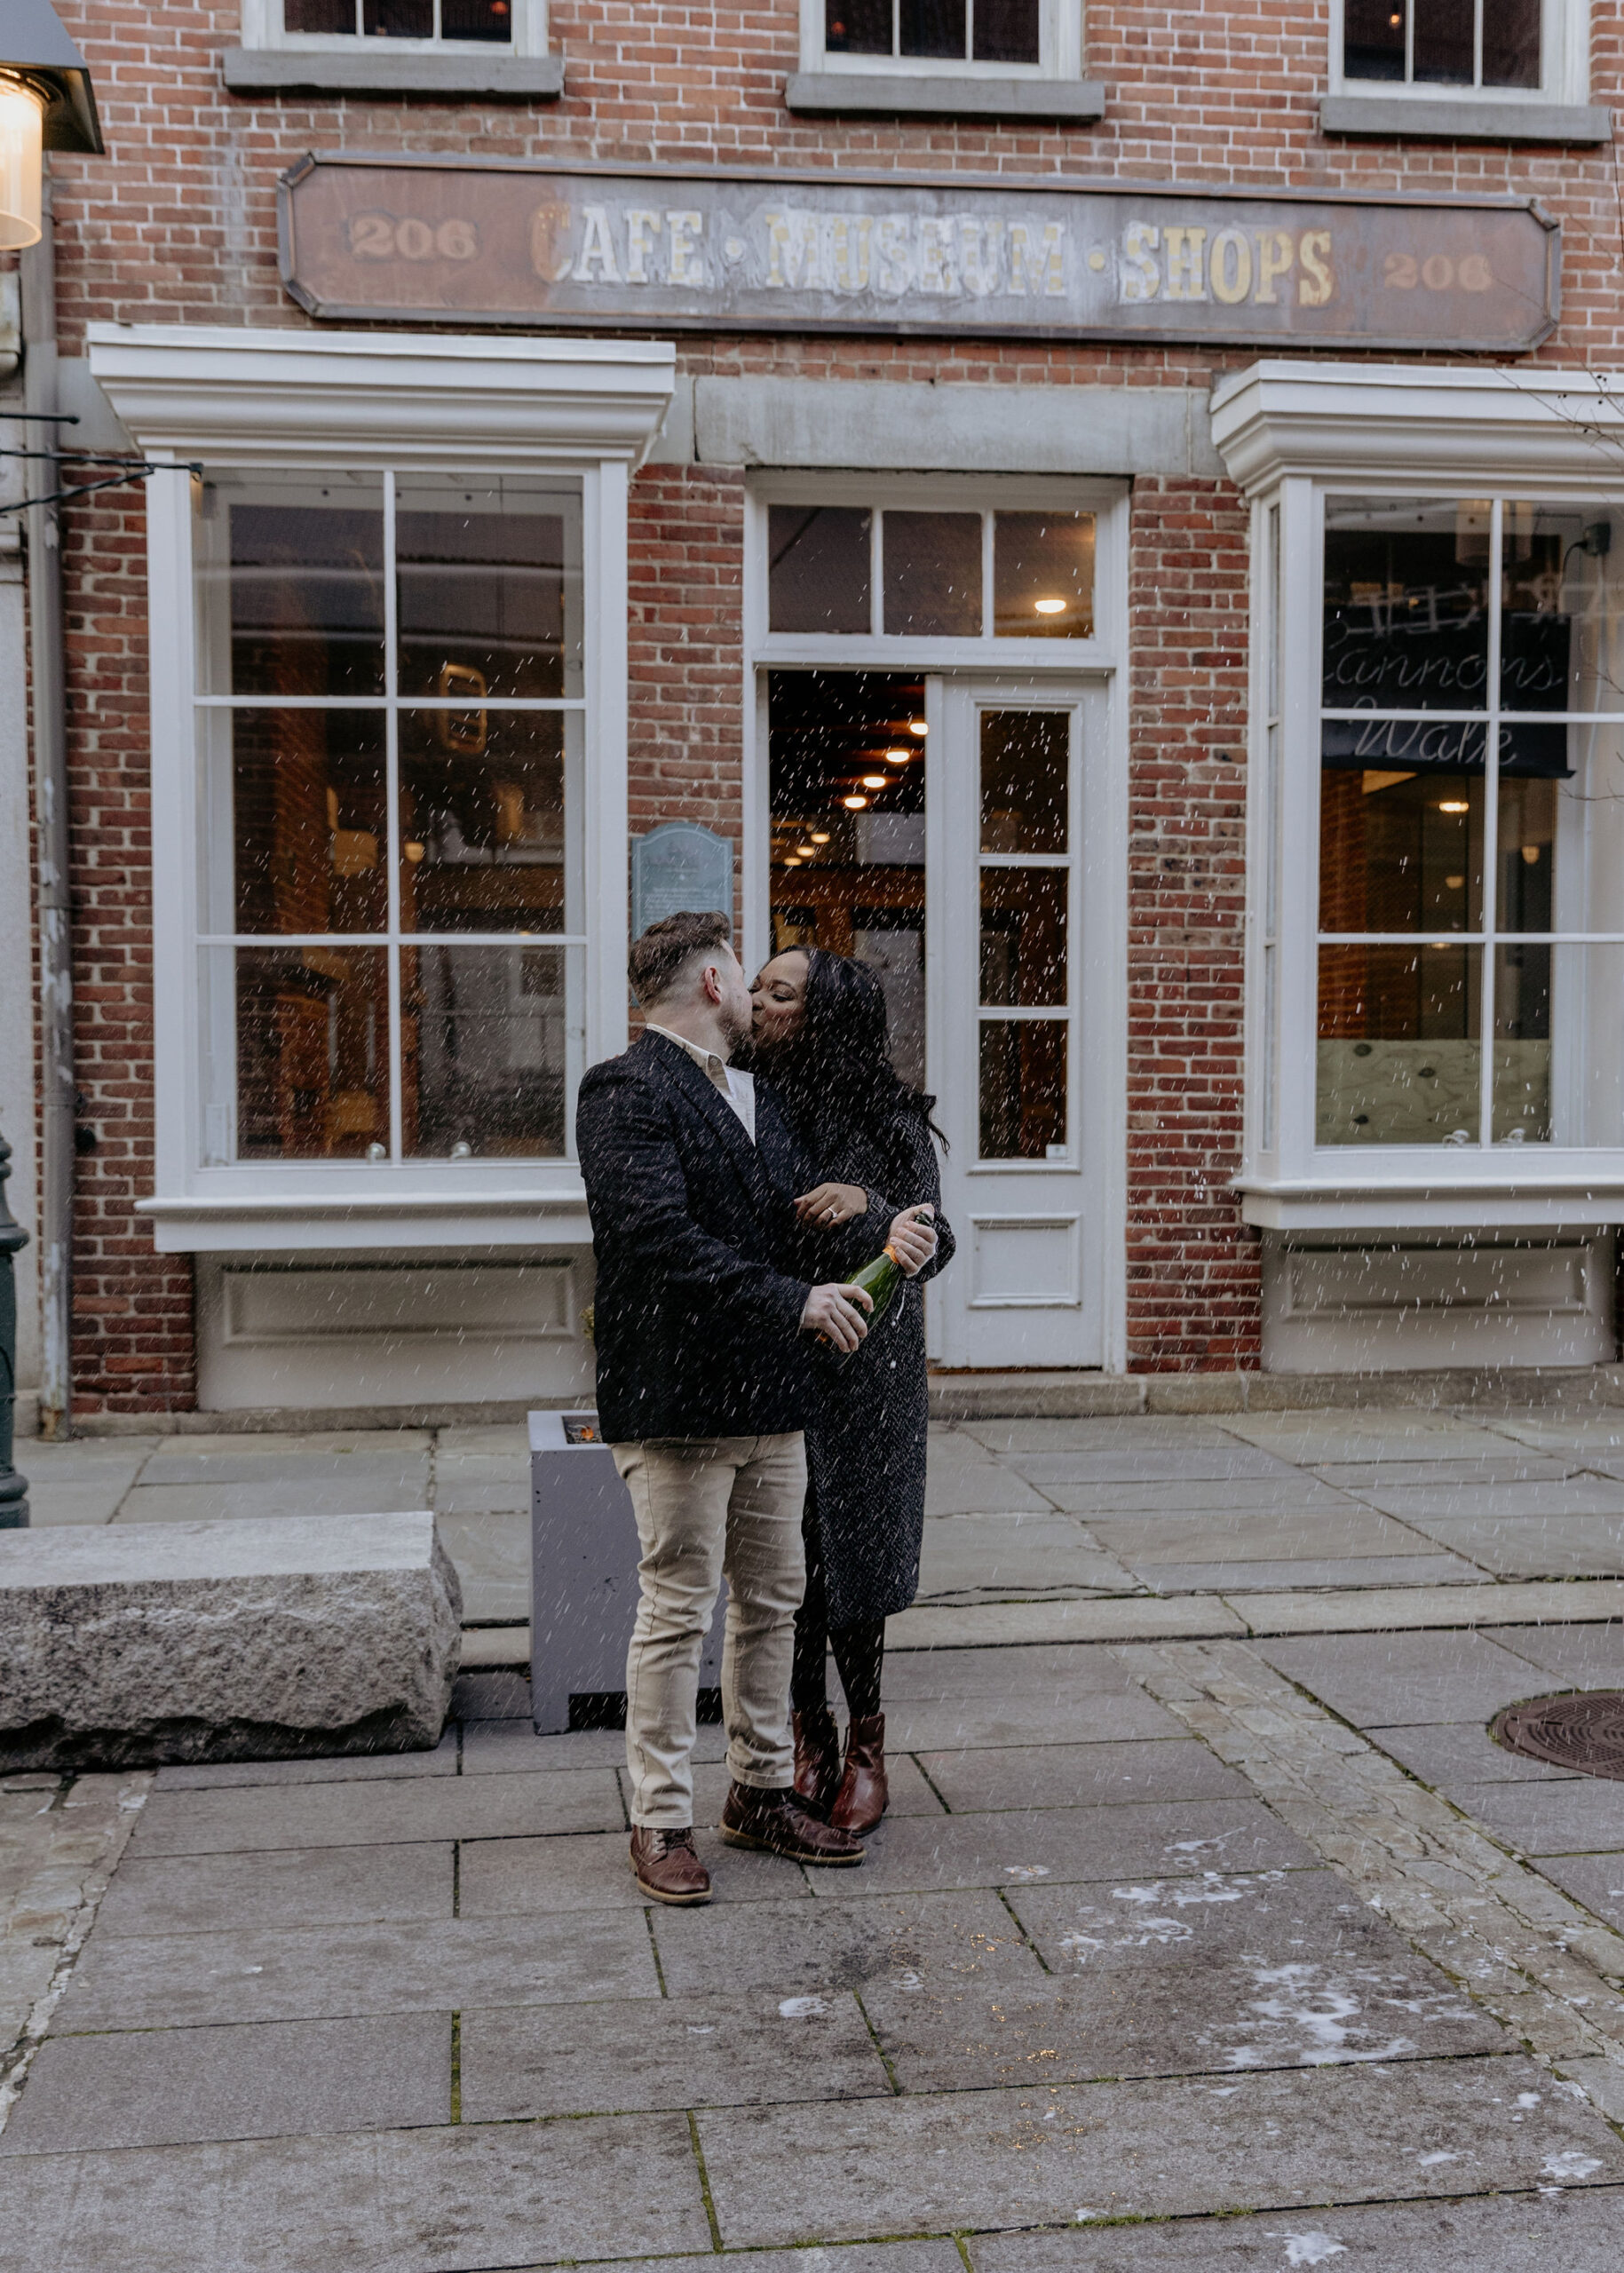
pixel 735 1026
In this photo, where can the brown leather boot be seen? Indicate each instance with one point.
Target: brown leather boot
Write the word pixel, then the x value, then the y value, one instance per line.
pixel 817 1759
pixel 864 1792
pixel 667 1868
pixel 778 1823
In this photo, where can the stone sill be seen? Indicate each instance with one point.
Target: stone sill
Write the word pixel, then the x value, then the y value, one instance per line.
pixel 856 94
pixel 289 70
pixel 1463 119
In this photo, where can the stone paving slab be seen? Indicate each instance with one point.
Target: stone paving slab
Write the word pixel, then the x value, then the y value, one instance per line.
pixel 1556 2230
pixel 1245 1577
pixel 162 2088
pixel 510 1878
pixel 1310 1439
pixel 742 2049
pixel 1535 1547
pixel 1254 1536
pixel 793 1949
pixel 1067 1843
pixel 1505 1466
pixel 1113 1433
pixel 378 1814
pixel 1414 1607
pixel 1223 1460
pixel 368 1493
pixel 910 1794
pixel 493 1696
pixel 342 1767
pixel 180 1981
pixel 1153 2148
pixel 321 1886
pixel 1021 1624
pixel 1598 1880
pixel 1088 1718
pixel 508 1747
pixel 1399 1680
pixel 1586 1656
pixel 1449 1754
pixel 1582 1816
pixel 1125 1929
pixel 1000 1676
pixel 1080 1775
pixel 481 1483
pixel 1485 1503
pixel 1291 1495
pixel 971 1556
pixel 446 2200
pixel 291 1460
pixel 492 1555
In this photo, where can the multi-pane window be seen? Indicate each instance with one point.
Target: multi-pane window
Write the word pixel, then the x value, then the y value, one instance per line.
pixel 488 20
pixel 972 31
pixel 390 714
pixel 1471 824
pixel 1024 863
pixel 902 574
pixel 1444 42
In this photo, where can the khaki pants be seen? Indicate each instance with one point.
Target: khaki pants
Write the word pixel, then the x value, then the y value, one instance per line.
pixel 706 1507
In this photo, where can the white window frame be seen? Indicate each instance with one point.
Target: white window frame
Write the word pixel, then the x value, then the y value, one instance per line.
pixel 1290 435
pixel 263 33
pixel 1564 66
pixel 256 400
pixel 1060 52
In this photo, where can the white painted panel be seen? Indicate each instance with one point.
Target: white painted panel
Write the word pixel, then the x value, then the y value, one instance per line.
pixel 510 1302
pixel 1325 1283
pixel 1026 1262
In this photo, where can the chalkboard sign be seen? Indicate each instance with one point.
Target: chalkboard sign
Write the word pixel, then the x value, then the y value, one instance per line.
pixel 680 870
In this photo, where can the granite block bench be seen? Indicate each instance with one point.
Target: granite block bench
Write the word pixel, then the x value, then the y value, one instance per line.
pixel 126 1644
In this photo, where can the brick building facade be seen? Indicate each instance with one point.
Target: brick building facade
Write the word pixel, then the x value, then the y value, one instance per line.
pixel 1161 1161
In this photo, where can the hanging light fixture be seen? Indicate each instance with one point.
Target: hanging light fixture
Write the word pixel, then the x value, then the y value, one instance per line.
pixel 46 103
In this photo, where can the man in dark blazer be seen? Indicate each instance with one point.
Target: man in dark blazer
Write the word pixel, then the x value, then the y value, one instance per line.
pixel 703 1312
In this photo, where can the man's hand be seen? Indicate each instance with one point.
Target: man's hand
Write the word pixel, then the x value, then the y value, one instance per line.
pixel 833 1312
pixel 830 1204
pixel 912 1242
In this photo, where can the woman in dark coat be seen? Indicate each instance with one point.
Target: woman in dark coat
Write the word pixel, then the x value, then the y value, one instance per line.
pixel 821 1038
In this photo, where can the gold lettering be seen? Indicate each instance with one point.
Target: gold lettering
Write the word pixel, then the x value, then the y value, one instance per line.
pixel 1274 258
pixel 980 254
pixel 851 234
pixel 893 264
pixel 1140 277
pixel 935 269
pixel 549 253
pixel 641 227
pixel 686 267
pixel 793 263
pixel 1231 266
pixel 1043 261
pixel 1184 248
pixel 1317 283
pixel 596 245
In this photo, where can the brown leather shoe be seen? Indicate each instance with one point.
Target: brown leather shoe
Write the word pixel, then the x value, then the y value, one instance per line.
pixel 667 1868
pixel 864 1792
pixel 817 1759
pixel 777 1823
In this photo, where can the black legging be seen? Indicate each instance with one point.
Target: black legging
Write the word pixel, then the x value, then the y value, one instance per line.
pixel 859 1649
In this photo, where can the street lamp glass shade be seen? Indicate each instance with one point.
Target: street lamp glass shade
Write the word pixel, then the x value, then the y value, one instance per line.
pixel 21 131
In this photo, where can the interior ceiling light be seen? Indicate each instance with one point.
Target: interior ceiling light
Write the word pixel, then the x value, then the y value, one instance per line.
pixel 1453 805
pixel 1050 608
pixel 806 851
pixel 874 780
pixel 792 860
pixel 897 756
pixel 854 804
pixel 917 726
pixel 820 836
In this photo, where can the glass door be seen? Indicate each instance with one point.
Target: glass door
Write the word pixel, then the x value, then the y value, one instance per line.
pixel 1008 1027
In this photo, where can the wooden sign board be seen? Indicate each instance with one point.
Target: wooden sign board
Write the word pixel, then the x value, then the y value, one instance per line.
pixel 427 241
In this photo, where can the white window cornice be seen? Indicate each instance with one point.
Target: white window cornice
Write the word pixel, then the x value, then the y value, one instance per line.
pixel 376 398
pixel 1528 429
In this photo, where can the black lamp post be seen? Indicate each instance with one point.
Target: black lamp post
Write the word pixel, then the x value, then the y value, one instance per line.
pixel 13 1488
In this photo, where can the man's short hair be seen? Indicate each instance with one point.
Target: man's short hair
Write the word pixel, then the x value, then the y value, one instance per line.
pixel 665 950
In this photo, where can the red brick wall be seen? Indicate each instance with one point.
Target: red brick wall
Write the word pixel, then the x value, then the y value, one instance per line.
pixel 178 224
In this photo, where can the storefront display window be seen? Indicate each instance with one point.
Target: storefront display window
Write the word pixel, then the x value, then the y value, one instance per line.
pixel 390 717
pixel 1472 892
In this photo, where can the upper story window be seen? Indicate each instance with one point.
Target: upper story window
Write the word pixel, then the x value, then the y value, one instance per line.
pixel 420 20
pixel 1444 42
pixel 958 31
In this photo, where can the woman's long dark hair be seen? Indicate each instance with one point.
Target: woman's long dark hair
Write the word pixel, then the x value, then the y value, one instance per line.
pixel 837 1070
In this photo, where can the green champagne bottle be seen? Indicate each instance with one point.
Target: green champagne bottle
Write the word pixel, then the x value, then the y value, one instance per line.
pixel 879 1280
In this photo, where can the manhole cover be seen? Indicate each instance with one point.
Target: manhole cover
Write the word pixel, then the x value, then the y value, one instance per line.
pixel 1586 1733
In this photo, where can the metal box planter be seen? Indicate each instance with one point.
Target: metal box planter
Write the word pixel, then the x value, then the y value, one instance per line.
pixel 583 1575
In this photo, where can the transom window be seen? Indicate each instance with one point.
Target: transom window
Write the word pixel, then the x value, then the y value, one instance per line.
pixel 904 573
pixel 490 21
pixel 1444 42
pixel 1471 824
pixel 974 31
pixel 390 714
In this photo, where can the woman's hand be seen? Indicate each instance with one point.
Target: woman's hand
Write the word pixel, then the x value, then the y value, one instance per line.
pixel 832 1204
pixel 911 1241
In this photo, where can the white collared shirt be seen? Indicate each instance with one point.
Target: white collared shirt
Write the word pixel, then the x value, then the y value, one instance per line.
pixel 739 1089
